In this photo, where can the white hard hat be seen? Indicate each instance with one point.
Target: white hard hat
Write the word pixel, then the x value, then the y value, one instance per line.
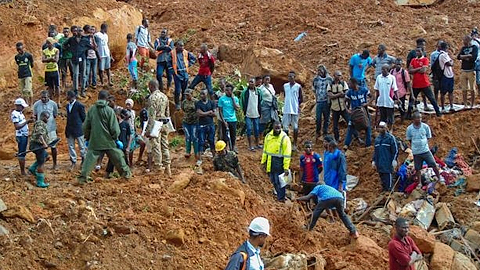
pixel 21 101
pixel 260 225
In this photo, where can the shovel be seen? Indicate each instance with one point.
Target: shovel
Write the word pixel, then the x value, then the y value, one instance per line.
pixel 51 144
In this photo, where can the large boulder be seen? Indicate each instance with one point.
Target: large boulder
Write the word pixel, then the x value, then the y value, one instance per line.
pixel 424 240
pixel 473 183
pixel 120 21
pixel 263 61
pixel 462 262
pixel 442 258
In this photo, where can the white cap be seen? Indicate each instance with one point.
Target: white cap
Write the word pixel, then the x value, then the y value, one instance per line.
pixel 129 101
pixel 260 225
pixel 382 124
pixel 21 101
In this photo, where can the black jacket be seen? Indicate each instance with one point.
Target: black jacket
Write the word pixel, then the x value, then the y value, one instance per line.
pixel 78 48
pixel 75 119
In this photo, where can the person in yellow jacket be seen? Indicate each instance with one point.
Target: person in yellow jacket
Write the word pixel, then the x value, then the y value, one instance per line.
pixel 277 153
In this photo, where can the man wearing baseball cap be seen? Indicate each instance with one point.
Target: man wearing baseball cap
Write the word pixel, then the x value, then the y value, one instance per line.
pixel 385 156
pixel 227 161
pixel 21 130
pixel 247 256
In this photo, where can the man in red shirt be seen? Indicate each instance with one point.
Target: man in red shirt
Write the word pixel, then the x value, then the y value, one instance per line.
pixel 421 82
pixel 207 65
pixel 402 250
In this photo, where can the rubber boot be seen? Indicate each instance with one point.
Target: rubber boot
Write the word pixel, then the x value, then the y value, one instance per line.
pixel 41 181
pixel 33 168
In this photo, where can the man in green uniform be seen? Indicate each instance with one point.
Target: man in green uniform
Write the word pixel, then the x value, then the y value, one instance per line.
pixel 38 143
pixel 227 161
pixel 158 110
pixel 101 132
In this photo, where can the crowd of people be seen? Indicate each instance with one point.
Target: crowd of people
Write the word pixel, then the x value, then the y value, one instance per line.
pixel 108 129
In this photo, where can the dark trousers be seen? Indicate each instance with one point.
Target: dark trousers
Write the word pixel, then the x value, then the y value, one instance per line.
pixel 276 184
pixel 387 181
pixel 427 91
pixel 331 203
pixel 336 117
pixel 322 112
pixel 232 126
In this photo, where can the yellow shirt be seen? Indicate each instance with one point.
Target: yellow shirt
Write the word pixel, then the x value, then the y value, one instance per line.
pixel 50 66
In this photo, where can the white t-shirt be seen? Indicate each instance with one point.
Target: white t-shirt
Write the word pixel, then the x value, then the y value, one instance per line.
pixel 385 85
pixel 102 43
pixel 447 70
pixel 252 106
pixel 19 117
pixel 267 92
pixel 292 94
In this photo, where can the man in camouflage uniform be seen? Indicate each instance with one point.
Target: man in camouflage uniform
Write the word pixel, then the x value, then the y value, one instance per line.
pixel 38 142
pixel 227 161
pixel 158 110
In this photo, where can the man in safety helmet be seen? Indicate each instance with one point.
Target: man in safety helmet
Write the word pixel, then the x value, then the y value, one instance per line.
pixel 227 161
pixel 247 256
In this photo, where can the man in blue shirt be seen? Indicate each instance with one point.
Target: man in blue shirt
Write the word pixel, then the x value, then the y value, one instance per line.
pixel 328 198
pixel 227 106
pixel 335 165
pixel 359 63
pixel 357 98
pixel 385 156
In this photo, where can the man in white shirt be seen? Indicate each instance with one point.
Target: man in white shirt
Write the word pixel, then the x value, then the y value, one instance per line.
pixel 106 58
pixel 291 107
pixel 446 83
pixel 386 90
pixel 143 42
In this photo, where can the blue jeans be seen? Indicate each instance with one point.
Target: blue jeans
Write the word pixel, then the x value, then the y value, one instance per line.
pixel 276 184
pixel 162 67
pixel 78 74
pixel 206 79
pixel 352 131
pixel 180 86
pixel 206 132
pixel 190 137
pixel 22 142
pixel 322 109
pixel 249 122
pixel 232 126
pixel 90 66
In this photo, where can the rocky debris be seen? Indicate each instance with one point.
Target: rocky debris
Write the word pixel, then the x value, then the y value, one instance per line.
pixel 442 257
pixel 3 206
pixel 444 217
pixel 473 237
pixel 462 262
pixel 424 240
pixel 3 230
pixel 181 182
pixel 20 212
pixel 473 183
pixel 287 261
pixel 220 185
pixel 122 229
pixel 364 244
pixel 175 237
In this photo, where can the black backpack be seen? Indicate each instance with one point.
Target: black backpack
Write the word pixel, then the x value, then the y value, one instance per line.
pixel 437 71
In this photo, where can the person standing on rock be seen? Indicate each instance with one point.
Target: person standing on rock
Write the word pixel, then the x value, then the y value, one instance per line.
pixel 336 94
pixel 24 61
pixel 101 132
pixel 158 110
pixel 357 99
pixel 206 127
pixel 418 133
pixel 468 55
pixel 277 153
pixel 78 45
pixel 227 161
pixel 179 62
pixel 291 107
pixel 163 46
pixel 403 253
pixel 359 63
pixel 322 109
pixel 421 81
pixel 73 129
pixel 381 60
pixel 50 58
pixel 207 66
pixel 247 256
pixel 46 104
pixel 268 106
pixel 144 43
pixel 38 144
pixel 385 96
pixel 385 156
pixel 447 81
pixel 65 62
pixel 227 106
pixel 104 53
pixel 21 131
pixel 421 43
pixel 328 198
pixel 251 100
